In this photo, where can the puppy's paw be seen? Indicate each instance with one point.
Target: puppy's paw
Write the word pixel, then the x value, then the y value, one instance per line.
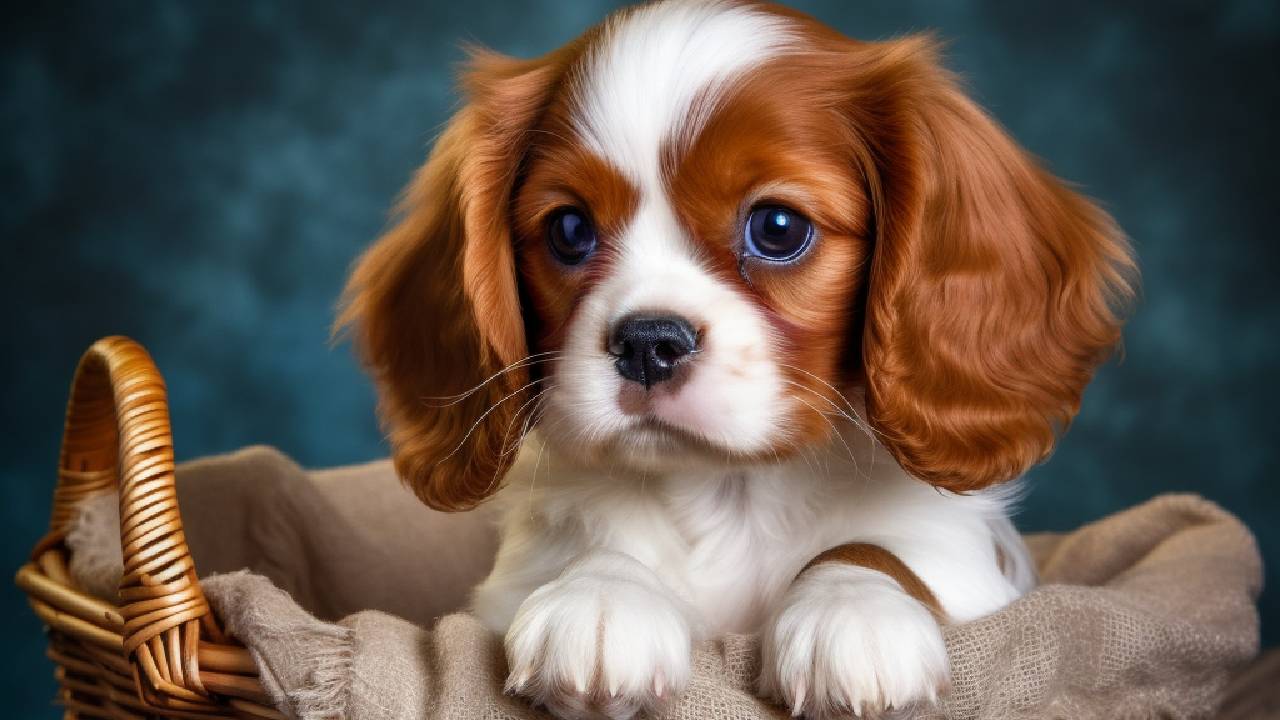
pixel 605 640
pixel 849 640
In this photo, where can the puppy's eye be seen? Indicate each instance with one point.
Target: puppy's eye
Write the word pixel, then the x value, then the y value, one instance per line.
pixel 777 233
pixel 571 236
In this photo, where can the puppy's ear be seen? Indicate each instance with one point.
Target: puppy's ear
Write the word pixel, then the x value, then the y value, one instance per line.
pixel 994 290
pixel 434 306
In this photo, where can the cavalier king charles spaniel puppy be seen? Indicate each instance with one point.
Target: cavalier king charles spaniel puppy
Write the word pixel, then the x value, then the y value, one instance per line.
pixel 745 325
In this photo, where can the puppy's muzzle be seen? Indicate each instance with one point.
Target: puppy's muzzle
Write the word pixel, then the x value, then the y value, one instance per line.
pixel 648 349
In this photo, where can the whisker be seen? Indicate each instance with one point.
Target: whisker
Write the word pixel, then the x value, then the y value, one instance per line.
pixel 854 419
pixel 835 430
pixel 871 462
pixel 860 422
pixel 836 410
pixel 536 414
pixel 523 362
pixel 507 450
pixel 794 443
pixel 524 432
pixel 486 414
pixel 533 479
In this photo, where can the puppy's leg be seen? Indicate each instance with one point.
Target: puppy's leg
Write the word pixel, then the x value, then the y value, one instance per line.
pixel 605 639
pixel 856 632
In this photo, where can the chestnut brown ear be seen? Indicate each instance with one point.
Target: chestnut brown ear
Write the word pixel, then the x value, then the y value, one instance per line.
pixel 434 306
pixel 994 290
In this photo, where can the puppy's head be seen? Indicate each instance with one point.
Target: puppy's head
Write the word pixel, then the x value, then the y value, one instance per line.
pixel 698 231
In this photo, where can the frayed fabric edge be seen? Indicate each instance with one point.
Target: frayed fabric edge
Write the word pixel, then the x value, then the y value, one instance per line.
pixel 314 657
pixel 327 693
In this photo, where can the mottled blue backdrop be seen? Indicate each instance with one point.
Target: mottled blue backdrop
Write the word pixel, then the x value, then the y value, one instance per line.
pixel 200 175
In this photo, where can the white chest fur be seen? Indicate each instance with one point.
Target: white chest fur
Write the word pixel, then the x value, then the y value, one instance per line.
pixel 729 542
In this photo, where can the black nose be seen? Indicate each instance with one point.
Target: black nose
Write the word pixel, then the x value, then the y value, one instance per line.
pixel 649 348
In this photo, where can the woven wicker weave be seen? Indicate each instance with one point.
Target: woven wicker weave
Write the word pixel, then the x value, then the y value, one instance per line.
pixel 159 651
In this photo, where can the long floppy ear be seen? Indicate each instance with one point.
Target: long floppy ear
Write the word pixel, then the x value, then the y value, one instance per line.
pixel 434 305
pixel 994 292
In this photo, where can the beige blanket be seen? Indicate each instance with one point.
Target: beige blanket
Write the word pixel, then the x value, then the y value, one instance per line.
pixel 1142 614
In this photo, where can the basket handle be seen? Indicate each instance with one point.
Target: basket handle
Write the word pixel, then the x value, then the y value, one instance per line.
pixel 117 434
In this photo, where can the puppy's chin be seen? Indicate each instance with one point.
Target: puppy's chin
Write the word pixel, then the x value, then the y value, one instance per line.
pixel 646 445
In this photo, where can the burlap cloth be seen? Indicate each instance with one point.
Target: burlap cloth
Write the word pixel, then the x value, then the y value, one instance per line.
pixel 1142 614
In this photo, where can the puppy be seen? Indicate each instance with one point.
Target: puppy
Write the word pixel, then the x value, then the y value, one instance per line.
pixel 744 323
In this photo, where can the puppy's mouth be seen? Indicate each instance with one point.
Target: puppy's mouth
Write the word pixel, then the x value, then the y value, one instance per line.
pixel 652 441
pixel 656 430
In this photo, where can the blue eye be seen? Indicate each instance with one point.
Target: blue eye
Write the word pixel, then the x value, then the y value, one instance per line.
pixel 777 233
pixel 570 236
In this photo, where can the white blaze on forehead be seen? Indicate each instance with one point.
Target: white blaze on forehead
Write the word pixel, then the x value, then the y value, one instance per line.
pixel 656 71
pixel 654 75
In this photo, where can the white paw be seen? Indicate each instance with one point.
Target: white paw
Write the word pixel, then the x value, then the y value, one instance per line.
pixel 848 640
pixel 604 640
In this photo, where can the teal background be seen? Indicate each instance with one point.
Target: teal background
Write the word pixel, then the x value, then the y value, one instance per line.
pixel 200 175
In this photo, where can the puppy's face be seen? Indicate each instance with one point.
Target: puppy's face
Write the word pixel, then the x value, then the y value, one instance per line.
pixel 699 231
pixel 692 235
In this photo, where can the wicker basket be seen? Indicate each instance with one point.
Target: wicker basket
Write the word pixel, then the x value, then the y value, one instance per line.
pixel 159 651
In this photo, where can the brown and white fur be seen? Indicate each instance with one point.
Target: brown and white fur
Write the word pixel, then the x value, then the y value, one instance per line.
pixel 862 405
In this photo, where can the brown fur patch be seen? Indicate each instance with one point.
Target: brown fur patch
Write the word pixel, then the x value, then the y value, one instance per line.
pixel 434 305
pixel 874 557
pixel 757 149
pixel 561 173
